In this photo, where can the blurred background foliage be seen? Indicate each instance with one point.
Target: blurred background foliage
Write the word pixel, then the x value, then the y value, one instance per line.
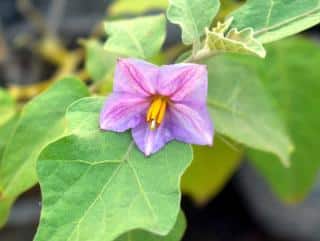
pixel 43 41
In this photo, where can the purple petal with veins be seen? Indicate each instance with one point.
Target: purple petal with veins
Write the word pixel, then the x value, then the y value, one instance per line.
pixel 122 112
pixel 184 82
pixel 151 141
pixel 191 124
pixel 159 104
pixel 136 77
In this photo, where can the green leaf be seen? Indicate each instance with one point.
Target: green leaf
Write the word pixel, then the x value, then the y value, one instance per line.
pixel 41 122
pixel 211 168
pixel 105 182
pixel 175 234
pixel 136 7
pixel 193 16
pixel 140 37
pixel 233 41
pixel 276 19
pixel 293 80
pixel 5 131
pixel 242 109
pixel 99 63
pixel 7 106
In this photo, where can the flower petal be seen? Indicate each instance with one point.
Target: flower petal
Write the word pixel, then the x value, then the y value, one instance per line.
pixel 184 82
pixel 150 141
pixel 136 77
pixel 122 111
pixel 191 124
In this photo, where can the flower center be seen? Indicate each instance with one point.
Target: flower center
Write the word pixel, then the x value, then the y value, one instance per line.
pixel 156 111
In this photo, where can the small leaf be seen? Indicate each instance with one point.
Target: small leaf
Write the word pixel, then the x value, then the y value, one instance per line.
pixel 193 16
pixel 242 109
pixel 41 122
pixel 175 234
pixel 294 81
pixel 99 63
pixel 140 37
pixel 233 41
pixel 275 19
pixel 7 106
pixel 222 27
pixel 105 182
pixel 136 7
pixel 211 168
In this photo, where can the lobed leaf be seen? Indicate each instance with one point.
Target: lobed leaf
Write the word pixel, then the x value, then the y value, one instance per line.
pixel 275 19
pixel 193 16
pixel 41 122
pixel 140 37
pixel 234 41
pixel 105 182
pixel 242 109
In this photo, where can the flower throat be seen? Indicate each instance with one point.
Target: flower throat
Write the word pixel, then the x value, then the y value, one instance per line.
pixel 156 111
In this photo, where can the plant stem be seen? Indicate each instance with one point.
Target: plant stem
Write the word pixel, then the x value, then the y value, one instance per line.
pixel 202 54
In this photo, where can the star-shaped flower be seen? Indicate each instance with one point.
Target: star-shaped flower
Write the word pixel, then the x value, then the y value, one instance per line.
pixel 159 104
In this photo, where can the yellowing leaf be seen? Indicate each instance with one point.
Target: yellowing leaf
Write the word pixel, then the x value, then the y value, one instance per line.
pixel 211 168
pixel 136 7
pixel 234 41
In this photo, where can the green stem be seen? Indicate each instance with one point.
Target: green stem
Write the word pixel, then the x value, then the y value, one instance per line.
pixel 199 56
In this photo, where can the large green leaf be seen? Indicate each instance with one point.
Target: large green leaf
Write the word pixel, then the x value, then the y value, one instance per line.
pixel 193 16
pixel 294 81
pixel 211 168
pixel 140 37
pixel 242 109
pixel 136 6
pixel 41 122
pixel 175 234
pixel 276 19
pixel 7 106
pixel 106 183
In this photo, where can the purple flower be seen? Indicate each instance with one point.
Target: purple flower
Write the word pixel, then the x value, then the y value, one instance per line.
pixel 159 104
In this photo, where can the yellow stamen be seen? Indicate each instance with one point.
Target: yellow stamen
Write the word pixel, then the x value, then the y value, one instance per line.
pixel 156 112
pixel 162 112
